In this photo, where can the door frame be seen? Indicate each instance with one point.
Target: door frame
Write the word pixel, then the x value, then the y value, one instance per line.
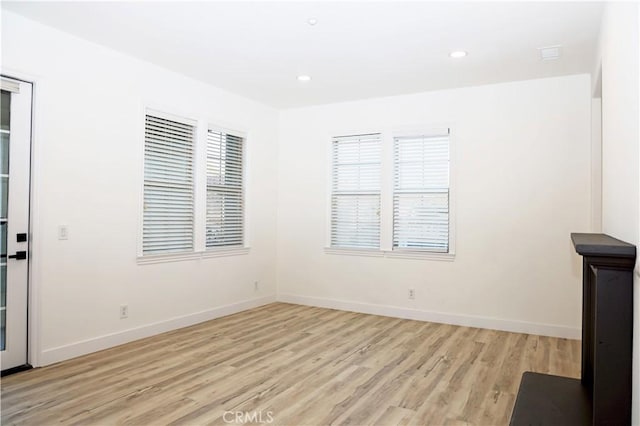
pixel 34 275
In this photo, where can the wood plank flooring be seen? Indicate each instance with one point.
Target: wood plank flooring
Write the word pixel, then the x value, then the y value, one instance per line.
pixel 286 364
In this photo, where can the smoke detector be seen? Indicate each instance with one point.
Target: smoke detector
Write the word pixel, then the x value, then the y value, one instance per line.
pixel 549 53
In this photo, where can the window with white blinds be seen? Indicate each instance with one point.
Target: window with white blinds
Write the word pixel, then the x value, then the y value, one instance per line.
pixel 355 191
pixel 168 217
pixel 421 193
pixel 225 193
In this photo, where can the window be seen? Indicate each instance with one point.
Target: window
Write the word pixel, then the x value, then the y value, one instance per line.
pixel 225 204
pixel 421 193
pixel 391 195
pixel 193 195
pixel 168 218
pixel 355 191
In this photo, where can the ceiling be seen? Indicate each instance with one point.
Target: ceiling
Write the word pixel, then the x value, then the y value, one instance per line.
pixel 356 50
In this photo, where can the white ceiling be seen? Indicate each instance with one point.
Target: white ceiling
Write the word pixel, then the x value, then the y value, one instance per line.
pixel 357 49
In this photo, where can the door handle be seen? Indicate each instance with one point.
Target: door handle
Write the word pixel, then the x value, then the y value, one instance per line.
pixel 20 255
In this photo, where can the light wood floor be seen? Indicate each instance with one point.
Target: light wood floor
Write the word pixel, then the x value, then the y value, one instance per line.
pixel 294 365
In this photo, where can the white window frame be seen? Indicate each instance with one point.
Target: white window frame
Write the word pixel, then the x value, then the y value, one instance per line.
pixel 243 135
pixel 203 124
pixel 386 200
pixel 334 140
pixel 194 125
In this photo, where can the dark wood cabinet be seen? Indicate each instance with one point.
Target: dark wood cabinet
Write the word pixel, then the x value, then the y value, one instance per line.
pixel 602 396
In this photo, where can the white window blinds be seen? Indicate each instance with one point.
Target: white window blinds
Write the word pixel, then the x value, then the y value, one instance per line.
pixel 168 186
pixel 355 191
pixel 421 193
pixel 225 203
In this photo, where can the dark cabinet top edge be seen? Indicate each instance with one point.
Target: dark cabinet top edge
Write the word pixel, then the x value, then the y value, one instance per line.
pixel 602 245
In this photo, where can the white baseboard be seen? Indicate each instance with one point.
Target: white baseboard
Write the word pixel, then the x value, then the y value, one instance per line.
pixel 61 353
pixel 439 317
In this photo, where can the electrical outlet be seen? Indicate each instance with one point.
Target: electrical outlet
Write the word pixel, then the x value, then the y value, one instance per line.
pixel 255 286
pixel 124 311
pixel 412 293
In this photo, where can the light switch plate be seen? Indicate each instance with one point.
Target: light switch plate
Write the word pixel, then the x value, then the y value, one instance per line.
pixel 63 232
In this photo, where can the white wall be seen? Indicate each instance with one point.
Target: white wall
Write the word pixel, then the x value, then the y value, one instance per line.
pixel 596 164
pixel 88 160
pixel 619 56
pixel 523 185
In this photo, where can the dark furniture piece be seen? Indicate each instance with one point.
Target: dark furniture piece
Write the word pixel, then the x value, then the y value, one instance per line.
pixel 603 394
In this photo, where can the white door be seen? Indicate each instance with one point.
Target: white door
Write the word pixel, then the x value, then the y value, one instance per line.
pixel 15 148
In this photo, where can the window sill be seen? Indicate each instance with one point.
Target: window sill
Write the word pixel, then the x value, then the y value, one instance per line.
pixel 223 252
pixel 179 257
pixel 420 255
pixel 394 254
pixel 354 252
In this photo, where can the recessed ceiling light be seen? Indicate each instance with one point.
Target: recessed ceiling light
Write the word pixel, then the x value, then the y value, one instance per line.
pixel 304 77
pixel 458 54
pixel 312 21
